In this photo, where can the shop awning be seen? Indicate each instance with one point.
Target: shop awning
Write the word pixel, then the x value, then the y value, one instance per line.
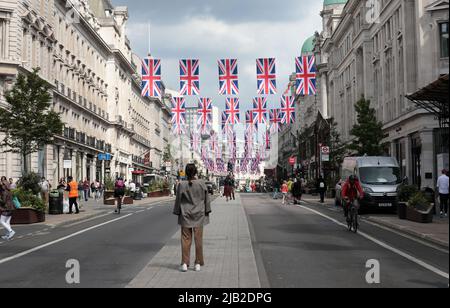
pixel 434 98
pixel 138 172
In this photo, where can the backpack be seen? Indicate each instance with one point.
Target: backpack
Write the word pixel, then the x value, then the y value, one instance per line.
pixel 120 184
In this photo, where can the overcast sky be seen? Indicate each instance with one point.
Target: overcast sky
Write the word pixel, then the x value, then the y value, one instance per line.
pixel 209 30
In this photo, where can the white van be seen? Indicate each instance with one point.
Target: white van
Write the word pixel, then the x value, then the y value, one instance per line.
pixel 379 177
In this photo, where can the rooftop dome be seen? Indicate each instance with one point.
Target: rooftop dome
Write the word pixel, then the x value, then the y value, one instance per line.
pixel 331 2
pixel 308 45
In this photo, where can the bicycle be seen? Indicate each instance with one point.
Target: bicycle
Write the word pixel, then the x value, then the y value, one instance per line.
pixel 353 219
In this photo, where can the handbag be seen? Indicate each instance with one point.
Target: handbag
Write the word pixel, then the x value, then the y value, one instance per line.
pixel 16 202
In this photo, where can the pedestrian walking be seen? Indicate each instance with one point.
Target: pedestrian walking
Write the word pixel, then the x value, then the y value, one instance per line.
pixel 45 189
pixel 132 189
pixel 227 188
pixel 284 191
pixel 6 208
pixel 297 191
pixel 276 189
pixel 321 188
pixel 193 208
pixel 86 189
pixel 12 184
pixel 442 186
pixel 74 193
pixel 232 187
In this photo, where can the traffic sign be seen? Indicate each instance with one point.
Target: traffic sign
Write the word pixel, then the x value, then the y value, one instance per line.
pixel 106 157
pixel 292 161
pixel 325 150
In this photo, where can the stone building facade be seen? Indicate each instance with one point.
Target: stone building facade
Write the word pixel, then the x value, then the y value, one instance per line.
pixel 385 58
pixel 84 54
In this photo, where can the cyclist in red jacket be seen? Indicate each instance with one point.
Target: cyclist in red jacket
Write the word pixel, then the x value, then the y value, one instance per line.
pixel 351 191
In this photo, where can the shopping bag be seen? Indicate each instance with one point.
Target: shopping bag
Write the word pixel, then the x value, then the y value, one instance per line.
pixel 16 202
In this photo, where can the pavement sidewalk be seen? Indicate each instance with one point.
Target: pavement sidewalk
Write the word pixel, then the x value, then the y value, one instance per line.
pixel 91 209
pixel 436 233
pixel 229 257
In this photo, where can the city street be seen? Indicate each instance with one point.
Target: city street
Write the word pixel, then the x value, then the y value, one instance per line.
pixel 110 255
pixel 297 247
pixel 293 246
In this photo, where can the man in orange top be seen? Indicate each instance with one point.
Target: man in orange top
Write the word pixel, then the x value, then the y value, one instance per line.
pixel 72 188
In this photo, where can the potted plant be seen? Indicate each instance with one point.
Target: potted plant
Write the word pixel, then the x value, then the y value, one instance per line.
pixel 128 199
pixel 419 209
pixel 108 195
pixel 32 208
pixel 405 193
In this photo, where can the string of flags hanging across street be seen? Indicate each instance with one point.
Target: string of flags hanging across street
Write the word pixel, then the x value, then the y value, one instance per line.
pixel 228 85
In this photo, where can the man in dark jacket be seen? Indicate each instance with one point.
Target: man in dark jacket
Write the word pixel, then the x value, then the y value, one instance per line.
pixel 297 191
pixel 321 188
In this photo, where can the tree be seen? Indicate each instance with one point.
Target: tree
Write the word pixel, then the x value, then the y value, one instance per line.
pixel 337 148
pixel 167 156
pixel 29 123
pixel 368 131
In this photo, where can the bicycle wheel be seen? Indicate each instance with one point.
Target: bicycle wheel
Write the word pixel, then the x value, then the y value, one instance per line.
pixel 350 221
pixel 355 221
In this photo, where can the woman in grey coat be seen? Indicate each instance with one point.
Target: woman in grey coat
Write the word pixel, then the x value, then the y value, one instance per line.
pixel 193 207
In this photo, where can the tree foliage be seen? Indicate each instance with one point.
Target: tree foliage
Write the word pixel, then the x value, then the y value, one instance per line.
pixel 29 123
pixel 368 131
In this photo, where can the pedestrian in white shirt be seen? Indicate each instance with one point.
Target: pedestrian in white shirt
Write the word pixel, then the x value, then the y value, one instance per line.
pixel 442 186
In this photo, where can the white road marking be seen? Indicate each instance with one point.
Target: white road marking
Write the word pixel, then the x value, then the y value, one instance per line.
pixel 405 236
pixel 85 220
pixel 27 252
pixel 384 245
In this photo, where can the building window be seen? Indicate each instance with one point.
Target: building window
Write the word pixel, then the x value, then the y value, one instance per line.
pixel 3 38
pixel 443 36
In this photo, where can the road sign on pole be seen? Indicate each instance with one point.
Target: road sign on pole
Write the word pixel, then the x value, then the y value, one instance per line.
pixel 292 161
pixel 325 151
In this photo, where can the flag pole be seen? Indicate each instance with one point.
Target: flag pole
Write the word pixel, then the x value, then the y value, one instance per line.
pixel 149 40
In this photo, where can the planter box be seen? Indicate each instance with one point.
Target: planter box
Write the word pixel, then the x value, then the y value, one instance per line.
pixel 27 217
pixel 402 210
pixel 128 200
pixel 419 216
pixel 110 201
pixel 108 194
pixel 157 194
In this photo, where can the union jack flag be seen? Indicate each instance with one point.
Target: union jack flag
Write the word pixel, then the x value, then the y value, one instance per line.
pixel 305 75
pixel 260 110
pixel 178 115
pixel 151 78
pixel 204 114
pixel 266 76
pixel 190 77
pixel 219 152
pixel 248 144
pixel 232 111
pixel 275 120
pixel 195 142
pixel 213 141
pixel 228 77
pixel 287 110
pixel 252 125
